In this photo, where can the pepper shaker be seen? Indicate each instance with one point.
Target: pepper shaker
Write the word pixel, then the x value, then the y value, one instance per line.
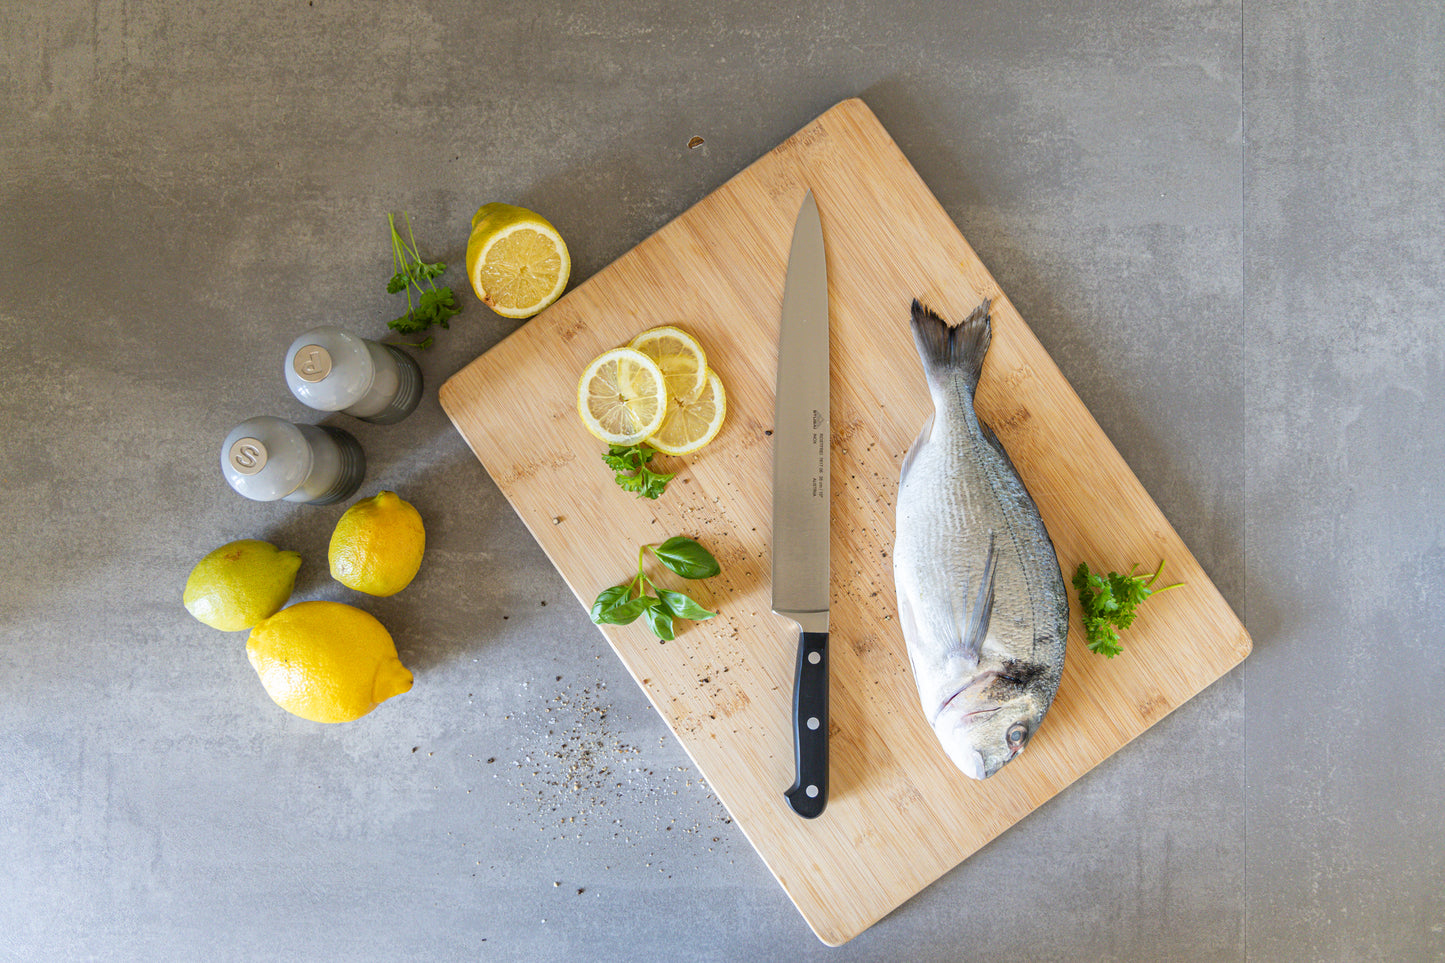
pixel 333 370
pixel 266 459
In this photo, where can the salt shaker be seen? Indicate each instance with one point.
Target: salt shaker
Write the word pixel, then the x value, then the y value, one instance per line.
pixel 265 458
pixel 332 370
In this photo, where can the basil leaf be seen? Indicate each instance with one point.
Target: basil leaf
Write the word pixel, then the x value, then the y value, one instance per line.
pixel 626 613
pixel 661 622
pixel 686 558
pixel 682 606
pixel 609 599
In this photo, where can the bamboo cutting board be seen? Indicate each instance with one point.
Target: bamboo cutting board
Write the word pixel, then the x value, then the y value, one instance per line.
pixel 899 814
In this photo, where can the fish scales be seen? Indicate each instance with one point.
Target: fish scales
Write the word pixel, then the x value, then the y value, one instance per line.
pixel 981 598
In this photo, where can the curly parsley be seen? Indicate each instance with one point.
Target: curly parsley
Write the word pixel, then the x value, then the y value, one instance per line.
pixel 629 462
pixel 1110 603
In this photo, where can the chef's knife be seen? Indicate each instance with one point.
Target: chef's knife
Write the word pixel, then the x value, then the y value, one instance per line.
pixel 801 437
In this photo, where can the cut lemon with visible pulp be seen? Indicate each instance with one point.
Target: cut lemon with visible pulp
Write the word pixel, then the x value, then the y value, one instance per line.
pixel 622 396
pixel 681 358
pixel 517 262
pixel 692 422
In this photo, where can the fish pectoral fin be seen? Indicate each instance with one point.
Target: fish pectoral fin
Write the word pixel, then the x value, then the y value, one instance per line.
pixel 923 435
pixel 973 626
pixel 948 635
pixel 909 623
pixel 926 681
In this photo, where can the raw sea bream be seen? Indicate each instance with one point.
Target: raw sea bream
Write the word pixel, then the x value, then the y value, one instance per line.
pixel 981 598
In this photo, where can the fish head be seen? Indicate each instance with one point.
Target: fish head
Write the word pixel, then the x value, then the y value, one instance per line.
pixel 981 735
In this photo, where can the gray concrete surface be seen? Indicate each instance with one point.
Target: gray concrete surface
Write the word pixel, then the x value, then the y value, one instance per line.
pixel 1224 221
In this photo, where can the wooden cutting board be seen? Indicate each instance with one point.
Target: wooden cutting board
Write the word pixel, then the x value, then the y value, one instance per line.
pixel 899 814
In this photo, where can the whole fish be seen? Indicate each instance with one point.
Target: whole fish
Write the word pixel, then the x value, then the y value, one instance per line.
pixel 981 598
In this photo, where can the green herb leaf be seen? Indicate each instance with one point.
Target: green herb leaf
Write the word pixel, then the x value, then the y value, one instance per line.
pixel 432 305
pixel 687 558
pixel 616 606
pixel 623 457
pixel 1110 603
pixel 627 612
pixel 439 305
pixel 629 462
pixel 608 600
pixel 661 622
pixel 1103 638
pixel 682 606
pixel 408 323
pixel 632 483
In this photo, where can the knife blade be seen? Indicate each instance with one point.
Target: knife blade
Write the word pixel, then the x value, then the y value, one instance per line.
pixel 801 501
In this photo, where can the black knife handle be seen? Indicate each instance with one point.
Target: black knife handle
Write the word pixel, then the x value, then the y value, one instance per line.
pixel 809 794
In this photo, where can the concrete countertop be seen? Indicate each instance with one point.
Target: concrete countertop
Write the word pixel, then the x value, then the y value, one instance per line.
pixel 1224 222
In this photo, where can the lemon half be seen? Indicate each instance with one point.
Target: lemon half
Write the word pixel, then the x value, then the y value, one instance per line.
pixel 622 396
pixel 517 262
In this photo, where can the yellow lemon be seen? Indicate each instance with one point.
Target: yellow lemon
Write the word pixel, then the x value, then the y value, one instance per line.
pixel 326 661
pixel 377 545
pixel 692 422
pixel 622 396
pixel 678 354
pixel 240 583
pixel 517 262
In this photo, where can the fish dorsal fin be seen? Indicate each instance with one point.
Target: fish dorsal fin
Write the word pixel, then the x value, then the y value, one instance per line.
pixel 996 445
pixel 973 626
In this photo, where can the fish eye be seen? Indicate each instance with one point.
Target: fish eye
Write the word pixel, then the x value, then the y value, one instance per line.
pixel 1017 733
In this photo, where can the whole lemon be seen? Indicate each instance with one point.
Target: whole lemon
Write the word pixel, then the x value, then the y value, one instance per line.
pixel 326 661
pixel 240 583
pixel 377 545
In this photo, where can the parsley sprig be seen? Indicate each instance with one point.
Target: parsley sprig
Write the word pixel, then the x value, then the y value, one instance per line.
pixel 1110 603
pixel 680 555
pixel 629 462
pixel 433 305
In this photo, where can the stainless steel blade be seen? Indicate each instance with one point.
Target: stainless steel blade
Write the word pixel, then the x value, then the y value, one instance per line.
pixel 801 433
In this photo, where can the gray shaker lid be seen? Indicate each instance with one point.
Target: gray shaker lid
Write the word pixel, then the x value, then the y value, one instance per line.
pixel 265 458
pixel 329 369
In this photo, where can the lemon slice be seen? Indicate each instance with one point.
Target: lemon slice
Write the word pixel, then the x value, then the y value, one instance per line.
pixel 681 358
pixel 517 262
pixel 622 396
pixel 692 422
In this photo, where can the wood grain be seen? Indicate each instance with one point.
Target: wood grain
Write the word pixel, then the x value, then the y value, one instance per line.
pixel 900 815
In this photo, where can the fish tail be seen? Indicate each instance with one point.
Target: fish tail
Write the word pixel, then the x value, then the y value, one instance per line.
pixel 952 351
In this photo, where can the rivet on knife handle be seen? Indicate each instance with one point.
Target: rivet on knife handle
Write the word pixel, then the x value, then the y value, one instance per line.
pixel 809 794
